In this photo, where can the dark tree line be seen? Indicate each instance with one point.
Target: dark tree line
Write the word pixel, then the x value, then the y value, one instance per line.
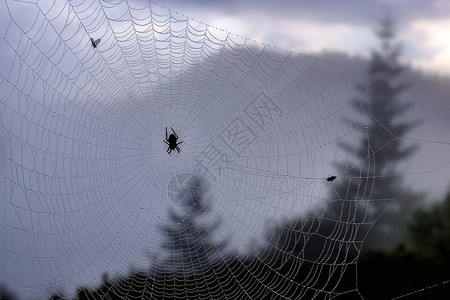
pixel 419 264
pixel 295 262
pixel 430 232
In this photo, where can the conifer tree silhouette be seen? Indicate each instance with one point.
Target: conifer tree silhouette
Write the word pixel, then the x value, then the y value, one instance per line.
pixel 189 233
pixel 371 193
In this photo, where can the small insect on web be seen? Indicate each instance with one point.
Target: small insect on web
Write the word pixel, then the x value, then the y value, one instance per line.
pixel 95 43
pixel 331 178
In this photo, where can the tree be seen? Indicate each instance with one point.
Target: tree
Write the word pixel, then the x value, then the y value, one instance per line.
pixel 371 192
pixel 192 256
pixel 6 294
pixel 325 244
pixel 430 232
pixel 189 239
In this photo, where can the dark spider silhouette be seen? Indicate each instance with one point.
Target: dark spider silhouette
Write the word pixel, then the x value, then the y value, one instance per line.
pixel 171 140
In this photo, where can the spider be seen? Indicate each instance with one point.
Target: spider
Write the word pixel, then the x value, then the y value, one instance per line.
pixel 171 140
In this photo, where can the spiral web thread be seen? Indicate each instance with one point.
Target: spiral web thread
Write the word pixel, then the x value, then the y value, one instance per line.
pixel 86 171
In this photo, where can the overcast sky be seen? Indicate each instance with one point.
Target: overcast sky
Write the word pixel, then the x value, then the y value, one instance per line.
pixel 300 26
pixel 348 25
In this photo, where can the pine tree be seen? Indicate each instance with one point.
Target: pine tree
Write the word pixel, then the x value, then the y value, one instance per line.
pixel 430 232
pixel 189 238
pixel 371 193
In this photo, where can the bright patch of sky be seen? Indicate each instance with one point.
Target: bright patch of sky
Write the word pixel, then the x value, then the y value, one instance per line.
pixel 434 37
pixel 422 27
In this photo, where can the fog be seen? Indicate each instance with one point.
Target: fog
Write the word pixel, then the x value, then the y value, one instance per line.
pixel 86 170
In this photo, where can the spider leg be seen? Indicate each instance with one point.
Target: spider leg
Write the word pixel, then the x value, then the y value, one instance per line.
pixel 180 143
pixel 166 134
pixel 178 149
pixel 166 142
pixel 174 132
pixel 168 150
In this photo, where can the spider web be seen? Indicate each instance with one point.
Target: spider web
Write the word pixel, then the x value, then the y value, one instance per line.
pixel 87 178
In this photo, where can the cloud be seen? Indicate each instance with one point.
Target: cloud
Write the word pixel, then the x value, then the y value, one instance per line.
pixel 434 38
pixel 298 35
pixel 327 11
pixel 305 26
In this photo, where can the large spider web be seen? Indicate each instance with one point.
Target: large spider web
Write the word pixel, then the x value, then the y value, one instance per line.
pixel 87 178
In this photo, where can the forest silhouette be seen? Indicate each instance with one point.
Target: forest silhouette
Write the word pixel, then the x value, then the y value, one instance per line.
pixel 420 262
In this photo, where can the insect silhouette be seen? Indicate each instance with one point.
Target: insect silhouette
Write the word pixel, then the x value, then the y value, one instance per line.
pixel 171 140
pixel 95 43
pixel 331 178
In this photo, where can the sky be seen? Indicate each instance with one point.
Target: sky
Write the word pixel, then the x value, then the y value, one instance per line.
pixel 312 26
pixel 88 209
